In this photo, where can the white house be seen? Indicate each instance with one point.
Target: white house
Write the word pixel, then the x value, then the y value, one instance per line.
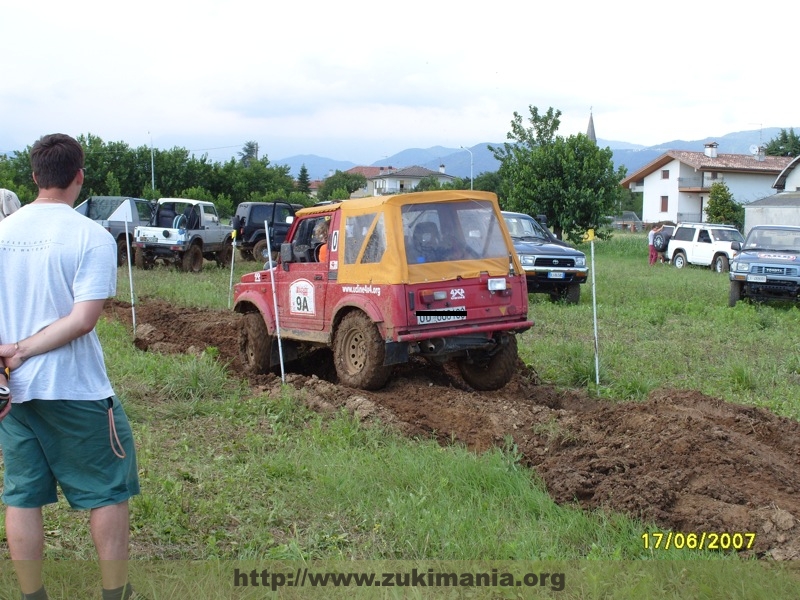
pixel 782 208
pixel 676 185
pixel 405 180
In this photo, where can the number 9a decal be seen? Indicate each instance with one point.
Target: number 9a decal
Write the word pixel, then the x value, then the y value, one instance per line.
pixel 301 298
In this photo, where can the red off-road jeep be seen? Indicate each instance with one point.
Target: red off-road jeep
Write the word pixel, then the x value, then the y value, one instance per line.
pixel 432 274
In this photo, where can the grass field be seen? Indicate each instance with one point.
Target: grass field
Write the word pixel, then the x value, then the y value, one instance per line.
pixel 241 478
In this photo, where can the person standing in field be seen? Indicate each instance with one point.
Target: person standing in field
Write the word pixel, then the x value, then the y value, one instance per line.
pixel 64 426
pixel 9 203
pixel 651 243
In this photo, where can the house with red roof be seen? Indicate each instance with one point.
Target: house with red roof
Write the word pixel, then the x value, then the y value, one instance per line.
pixel 676 185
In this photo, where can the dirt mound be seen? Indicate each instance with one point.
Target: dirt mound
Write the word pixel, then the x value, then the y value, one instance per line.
pixel 683 460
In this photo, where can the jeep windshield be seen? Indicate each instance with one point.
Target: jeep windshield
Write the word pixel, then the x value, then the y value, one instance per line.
pixel 727 235
pixel 525 228
pixel 777 240
pixel 439 232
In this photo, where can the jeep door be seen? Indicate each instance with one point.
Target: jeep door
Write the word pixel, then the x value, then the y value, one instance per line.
pixel 302 284
pixel 702 248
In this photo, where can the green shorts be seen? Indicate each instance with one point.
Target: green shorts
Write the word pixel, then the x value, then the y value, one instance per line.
pixel 69 443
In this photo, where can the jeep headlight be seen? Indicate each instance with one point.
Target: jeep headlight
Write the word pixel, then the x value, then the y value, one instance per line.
pixel 527 260
pixel 741 266
pixel 580 261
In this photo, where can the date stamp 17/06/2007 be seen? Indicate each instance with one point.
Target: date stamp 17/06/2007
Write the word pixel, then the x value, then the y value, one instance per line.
pixel 705 540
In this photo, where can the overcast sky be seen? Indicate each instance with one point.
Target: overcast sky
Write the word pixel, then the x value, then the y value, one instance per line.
pixel 360 81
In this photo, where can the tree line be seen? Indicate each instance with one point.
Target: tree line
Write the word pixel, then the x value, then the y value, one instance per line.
pixel 570 180
pixel 117 169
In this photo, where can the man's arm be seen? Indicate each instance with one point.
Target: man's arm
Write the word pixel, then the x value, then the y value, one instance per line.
pixel 80 321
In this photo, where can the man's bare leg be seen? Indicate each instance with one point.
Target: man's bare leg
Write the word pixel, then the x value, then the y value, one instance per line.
pixel 110 528
pixel 26 545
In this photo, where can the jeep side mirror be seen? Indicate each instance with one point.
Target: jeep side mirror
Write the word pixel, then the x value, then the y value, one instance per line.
pixel 287 255
pixel 542 220
pixel 736 246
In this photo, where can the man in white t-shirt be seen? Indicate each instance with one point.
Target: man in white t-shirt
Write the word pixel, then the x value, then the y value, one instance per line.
pixel 64 425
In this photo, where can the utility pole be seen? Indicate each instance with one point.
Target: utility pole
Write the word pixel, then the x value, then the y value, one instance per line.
pixel 470 166
pixel 152 164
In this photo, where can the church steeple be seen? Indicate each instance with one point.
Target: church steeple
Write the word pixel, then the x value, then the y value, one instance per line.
pixel 590 130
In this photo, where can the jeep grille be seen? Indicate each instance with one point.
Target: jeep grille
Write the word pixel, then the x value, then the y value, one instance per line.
pixel 542 261
pixel 788 271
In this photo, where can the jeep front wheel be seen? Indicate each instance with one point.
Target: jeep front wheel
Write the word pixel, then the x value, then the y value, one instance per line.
pixel 493 372
pixel 721 264
pixel 193 259
pixel 735 293
pixel 261 250
pixel 255 344
pixel 679 260
pixel 224 256
pixel 359 352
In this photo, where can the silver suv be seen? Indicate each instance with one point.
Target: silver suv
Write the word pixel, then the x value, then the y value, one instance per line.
pixel 703 244
pixel 767 266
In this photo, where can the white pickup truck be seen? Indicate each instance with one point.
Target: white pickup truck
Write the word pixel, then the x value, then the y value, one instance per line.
pixel 183 232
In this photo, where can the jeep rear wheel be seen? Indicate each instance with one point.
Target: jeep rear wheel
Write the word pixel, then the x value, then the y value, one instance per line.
pixel 193 259
pixel 492 372
pixel 679 260
pixel 141 261
pixel 359 352
pixel 255 344
pixel 735 293
pixel 721 264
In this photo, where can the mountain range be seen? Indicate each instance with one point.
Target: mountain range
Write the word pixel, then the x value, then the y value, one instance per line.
pixel 456 161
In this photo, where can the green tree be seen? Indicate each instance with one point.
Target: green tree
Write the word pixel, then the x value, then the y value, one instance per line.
pixel 248 153
pixel 571 181
pixel 722 208
pixel 341 181
pixel 303 180
pixel 431 182
pixel 786 143
pixel 489 181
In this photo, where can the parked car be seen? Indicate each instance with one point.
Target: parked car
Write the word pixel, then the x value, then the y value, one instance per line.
pixel 767 265
pixel 251 236
pixel 705 244
pixel 183 233
pixel 113 212
pixel 551 265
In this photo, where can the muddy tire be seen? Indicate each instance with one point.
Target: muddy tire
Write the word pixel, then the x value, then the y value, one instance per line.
pixel 224 256
pixel 261 250
pixel 122 252
pixel 192 261
pixel 140 260
pixel 246 255
pixel 736 293
pixel 494 372
pixel 721 264
pixel 572 295
pixel 255 344
pixel 679 260
pixel 359 352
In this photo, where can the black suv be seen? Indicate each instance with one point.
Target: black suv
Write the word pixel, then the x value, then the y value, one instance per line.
pixel 551 265
pixel 767 266
pixel 251 237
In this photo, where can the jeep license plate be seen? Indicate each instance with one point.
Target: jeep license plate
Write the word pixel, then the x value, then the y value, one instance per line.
pixel 757 278
pixel 148 239
pixel 443 315
pixel 555 275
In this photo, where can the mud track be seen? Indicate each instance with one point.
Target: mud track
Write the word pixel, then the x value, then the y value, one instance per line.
pixel 683 460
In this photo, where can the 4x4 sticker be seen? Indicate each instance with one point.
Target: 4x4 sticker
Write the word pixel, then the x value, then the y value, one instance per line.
pixel 457 294
pixel 301 298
